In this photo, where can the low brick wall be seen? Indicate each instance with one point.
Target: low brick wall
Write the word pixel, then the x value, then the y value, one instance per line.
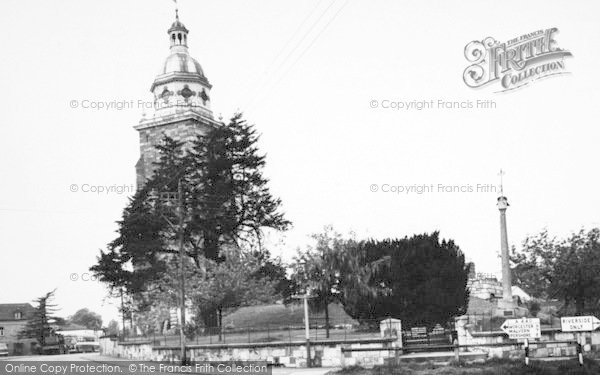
pixel 325 353
pixel 538 348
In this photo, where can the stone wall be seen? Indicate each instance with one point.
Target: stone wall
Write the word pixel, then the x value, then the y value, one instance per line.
pixel 485 288
pixel 324 353
pixel 539 348
pixel 184 131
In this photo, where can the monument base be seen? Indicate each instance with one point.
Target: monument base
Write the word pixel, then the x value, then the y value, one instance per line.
pixel 507 309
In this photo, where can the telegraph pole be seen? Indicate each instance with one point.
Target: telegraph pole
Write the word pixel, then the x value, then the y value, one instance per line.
pixel 123 314
pixel 179 229
pixel 305 298
pixel 307 331
pixel 181 270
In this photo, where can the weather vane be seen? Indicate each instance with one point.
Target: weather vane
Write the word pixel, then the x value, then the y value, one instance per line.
pixel 176 9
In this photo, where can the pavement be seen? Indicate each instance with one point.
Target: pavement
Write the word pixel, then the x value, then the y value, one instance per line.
pixel 95 357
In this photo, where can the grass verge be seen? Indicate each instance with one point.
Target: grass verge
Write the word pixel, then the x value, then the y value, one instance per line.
pixel 491 367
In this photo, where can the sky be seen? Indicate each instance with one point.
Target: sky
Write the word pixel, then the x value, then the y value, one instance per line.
pixel 315 78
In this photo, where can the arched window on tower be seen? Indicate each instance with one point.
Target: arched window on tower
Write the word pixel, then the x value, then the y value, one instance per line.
pixel 179 37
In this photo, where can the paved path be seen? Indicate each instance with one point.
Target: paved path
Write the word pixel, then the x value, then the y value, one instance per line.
pixel 302 371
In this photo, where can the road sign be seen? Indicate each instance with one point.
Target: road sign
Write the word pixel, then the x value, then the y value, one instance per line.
pixel 525 328
pixel 579 323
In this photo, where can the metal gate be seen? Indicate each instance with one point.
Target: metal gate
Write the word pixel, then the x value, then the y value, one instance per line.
pixel 423 339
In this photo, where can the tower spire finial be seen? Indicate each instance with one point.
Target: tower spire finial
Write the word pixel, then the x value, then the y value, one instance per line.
pixel 176 10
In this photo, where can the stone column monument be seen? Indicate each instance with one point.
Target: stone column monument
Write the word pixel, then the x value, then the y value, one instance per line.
pixel 506 306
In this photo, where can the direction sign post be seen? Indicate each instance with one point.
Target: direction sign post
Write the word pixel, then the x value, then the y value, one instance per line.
pixel 579 323
pixel 521 329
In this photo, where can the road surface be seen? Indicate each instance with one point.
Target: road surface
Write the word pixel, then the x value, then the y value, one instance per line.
pixel 97 358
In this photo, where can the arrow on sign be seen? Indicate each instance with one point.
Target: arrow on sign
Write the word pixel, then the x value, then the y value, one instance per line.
pixel 579 323
pixel 526 328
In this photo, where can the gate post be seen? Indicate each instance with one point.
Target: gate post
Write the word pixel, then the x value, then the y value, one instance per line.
pixel 392 328
pixel 456 352
pixel 580 348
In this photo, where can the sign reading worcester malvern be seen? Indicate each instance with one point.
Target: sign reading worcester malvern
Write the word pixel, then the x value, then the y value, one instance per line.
pixel 514 63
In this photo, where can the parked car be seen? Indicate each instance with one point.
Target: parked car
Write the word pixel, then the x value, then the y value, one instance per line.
pixel 3 350
pixel 54 344
pixel 87 346
pixel 81 344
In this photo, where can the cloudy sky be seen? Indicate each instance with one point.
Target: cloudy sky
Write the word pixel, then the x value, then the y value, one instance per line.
pixel 313 76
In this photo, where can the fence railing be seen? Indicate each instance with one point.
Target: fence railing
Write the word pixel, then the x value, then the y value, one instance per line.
pixel 338 330
pixel 456 348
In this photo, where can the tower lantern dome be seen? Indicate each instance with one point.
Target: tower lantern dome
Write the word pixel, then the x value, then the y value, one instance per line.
pixel 181 105
pixel 180 84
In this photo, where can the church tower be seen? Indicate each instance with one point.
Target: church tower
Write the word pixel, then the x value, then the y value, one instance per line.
pixel 181 102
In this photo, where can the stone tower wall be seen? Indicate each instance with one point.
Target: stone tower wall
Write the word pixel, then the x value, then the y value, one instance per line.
pixel 183 131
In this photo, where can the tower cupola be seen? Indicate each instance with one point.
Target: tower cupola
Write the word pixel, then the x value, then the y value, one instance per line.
pixel 180 85
pixel 178 33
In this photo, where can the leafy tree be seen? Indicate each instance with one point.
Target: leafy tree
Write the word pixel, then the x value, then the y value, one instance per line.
pixel 420 280
pixel 534 264
pixel 112 329
pixel 316 271
pixel 39 325
pixel 534 307
pixel 87 318
pixel 230 284
pixel 151 317
pixel 566 269
pixel 217 286
pixel 275 270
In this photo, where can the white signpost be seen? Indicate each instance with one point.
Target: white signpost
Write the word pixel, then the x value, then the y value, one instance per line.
pixel 579 323
pixel 522 329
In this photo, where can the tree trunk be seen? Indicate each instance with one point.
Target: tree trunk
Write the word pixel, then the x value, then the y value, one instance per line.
pixel 210 319
pixel 579 305
pixel 211 245
pixel 220 312
pixel 326 321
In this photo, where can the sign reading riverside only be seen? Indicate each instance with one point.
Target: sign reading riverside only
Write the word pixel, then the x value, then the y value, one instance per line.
pixel 579 323
pixel 525 328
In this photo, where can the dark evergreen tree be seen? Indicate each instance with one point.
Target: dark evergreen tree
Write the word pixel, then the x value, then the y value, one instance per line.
pixel 420 280
pixel 39 325
pixel 226 204
pixel 229 198
pixel 274 270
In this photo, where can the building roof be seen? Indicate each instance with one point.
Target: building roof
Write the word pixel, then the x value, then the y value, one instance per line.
pixel 181 62
pixel 8 310
pixel 72 327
